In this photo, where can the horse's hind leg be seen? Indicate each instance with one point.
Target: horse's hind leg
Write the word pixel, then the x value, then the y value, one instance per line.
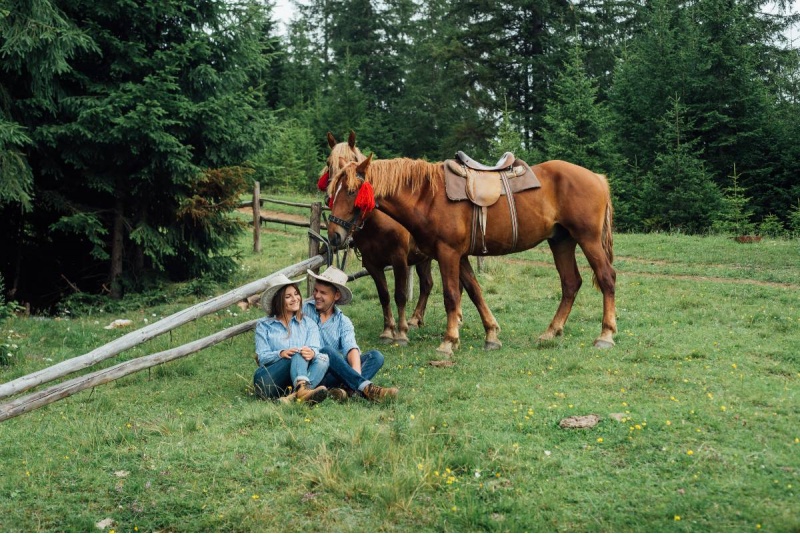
pixel 470 283
pixel 401 274
pixel 378 276
pixel 563 248
pixel 423 269
pixel 606 279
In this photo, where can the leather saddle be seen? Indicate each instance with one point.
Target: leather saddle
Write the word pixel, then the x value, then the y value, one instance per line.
pixel 482 185
pixel 467 179
pixel 504 162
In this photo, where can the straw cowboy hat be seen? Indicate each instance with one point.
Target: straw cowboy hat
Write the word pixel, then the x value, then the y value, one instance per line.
pixel 338 278
pixel 280 281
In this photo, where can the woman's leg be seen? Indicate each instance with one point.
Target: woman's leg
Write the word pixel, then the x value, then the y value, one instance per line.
pixel 317 369
pixel 272 381
pixel 312 372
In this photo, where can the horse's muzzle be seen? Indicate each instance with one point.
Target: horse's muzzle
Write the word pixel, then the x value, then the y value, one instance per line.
pixel 335 238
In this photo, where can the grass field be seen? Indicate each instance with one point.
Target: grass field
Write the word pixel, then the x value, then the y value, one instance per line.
pixel 699 405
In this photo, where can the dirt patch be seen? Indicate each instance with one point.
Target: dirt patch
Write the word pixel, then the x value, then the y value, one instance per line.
pixel 276 215
pixel 690 277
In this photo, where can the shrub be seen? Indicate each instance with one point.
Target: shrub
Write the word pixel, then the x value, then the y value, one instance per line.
pixel 771 226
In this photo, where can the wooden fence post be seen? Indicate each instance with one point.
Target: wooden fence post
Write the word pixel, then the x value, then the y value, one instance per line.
pixel 257 217
pixel 313 244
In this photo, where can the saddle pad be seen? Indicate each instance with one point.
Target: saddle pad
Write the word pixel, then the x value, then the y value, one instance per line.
pixel 520 178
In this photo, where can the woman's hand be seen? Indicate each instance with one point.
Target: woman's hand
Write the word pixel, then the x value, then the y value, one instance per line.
pixel 287 353
pixel 307 353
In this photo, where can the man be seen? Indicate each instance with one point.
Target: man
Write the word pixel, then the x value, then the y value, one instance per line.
pixel 348 369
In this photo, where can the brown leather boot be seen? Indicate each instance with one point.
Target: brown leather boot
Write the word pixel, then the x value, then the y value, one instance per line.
pixel 311 396
pixel 338 394
pixel 377 393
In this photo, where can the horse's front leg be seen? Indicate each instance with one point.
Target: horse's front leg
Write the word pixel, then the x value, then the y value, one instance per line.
pixel 451 290
pixel 378 276
pixel 470 283
pixel 401 280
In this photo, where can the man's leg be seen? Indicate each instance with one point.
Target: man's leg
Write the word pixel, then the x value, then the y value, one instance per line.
pixel 272 382
pixel 371 363
pixel 340 374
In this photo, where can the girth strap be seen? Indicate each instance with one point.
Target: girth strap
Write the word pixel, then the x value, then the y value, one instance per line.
pixel 512 208
pixel 480 216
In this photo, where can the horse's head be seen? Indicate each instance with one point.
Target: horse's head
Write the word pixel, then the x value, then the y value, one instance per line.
pixel 352 199
pixel 345 151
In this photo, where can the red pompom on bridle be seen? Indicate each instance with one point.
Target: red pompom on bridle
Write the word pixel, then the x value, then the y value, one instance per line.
pixel 365 200
pixel 322 184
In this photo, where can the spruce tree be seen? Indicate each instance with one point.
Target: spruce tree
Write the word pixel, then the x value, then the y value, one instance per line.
pixel 678 193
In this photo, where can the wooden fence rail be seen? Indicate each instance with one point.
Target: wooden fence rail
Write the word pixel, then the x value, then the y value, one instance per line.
pixel 314 221
pixel 144 334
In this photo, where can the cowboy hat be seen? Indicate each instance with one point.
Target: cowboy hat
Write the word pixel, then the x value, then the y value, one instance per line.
pixel 274 286
pixel 338 278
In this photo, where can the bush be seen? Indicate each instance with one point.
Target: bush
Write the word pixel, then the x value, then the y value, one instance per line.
pixel 771 226
pixel 7 309
pixel 794 219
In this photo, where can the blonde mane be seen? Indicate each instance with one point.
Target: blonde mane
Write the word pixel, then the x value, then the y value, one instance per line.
pixel 339 151
pixel 388 176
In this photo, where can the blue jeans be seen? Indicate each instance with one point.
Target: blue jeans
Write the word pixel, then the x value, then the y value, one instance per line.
pixel 341 375
pixel 273 380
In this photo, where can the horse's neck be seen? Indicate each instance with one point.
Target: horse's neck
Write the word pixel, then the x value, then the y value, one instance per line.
pixel 402 205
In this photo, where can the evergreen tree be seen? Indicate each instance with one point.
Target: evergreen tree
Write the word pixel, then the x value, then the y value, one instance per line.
pixel 735 214
pixel 164 94
pixel 678 193
pixel 576 125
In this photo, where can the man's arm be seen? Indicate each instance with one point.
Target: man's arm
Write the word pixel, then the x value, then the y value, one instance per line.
pixel 354 359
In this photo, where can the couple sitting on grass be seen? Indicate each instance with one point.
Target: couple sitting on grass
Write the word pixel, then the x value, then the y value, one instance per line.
pixel 309 348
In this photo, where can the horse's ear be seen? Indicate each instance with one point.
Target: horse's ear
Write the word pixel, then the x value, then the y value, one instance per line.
pixel 364 165
pixel 331 140
pixel 352 139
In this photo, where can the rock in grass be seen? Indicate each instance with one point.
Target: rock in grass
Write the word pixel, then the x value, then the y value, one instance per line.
pixel 579 421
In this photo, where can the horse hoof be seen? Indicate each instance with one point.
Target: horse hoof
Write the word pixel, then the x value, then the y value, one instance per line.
pixel 492 345
pixel 412 325
pixel 402 341
pixel 445 350
pixel 442 363
pixel 603 343
pixel 386 340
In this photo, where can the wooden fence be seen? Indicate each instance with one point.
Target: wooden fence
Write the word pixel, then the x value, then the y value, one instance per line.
pixel 314 221
pixel 45 396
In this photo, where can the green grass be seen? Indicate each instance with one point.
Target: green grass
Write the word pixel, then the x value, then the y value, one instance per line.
pixel 704 376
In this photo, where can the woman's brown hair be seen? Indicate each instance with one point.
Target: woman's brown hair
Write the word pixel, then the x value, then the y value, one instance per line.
pixel 278 303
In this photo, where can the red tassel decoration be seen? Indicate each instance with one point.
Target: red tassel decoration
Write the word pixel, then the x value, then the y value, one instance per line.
pixel 365 200
pixel 322 184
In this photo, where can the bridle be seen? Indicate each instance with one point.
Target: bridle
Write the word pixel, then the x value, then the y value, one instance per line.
pixel 356 222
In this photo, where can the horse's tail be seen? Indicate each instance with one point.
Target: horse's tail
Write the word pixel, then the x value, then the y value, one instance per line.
pixel 606 236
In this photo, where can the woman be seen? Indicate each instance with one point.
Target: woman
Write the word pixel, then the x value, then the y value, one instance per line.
pixel 287 347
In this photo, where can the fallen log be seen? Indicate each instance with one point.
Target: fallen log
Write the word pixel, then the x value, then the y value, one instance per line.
pixel 64 389
pixel 137 337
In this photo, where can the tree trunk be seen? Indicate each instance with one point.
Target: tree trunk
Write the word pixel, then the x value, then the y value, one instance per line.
pixel 115 274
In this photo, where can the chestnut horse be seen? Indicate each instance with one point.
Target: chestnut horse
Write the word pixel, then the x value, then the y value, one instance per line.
pixel 572 207
pixel 383 242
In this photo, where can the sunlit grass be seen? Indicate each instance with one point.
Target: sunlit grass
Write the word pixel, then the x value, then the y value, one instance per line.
pixel 698 404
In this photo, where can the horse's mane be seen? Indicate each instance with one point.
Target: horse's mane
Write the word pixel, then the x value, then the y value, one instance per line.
pixel 388 176
pixel 341 150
